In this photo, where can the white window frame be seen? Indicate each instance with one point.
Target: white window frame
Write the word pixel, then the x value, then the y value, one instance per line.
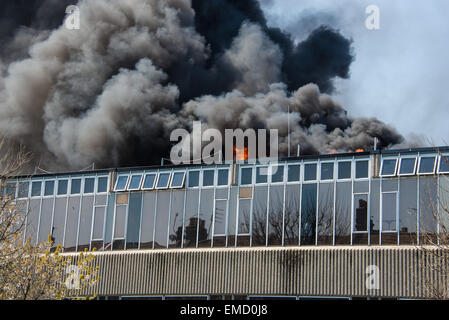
pixel 317 168
pixel 333 170
pixel 229 176
pixel 42 188
pixel 440 159
pixel 116 182
pixel 29 191
pixel 57 187
pixel 271 173
pixel 54 187
pixel 434 165
pixel 338 169
pixel 395 168
pixel 400 164
pixel 355 169
pixel 183 180
pixel 253 176
pixel 70 185
pixel 213 180
pixel 267 166
pixel 168 183
pixel 200 177
pixel 154 181
pixel 16 188
pixel 286 174
pixel 131 175
pixel 97 184
pixel 84 184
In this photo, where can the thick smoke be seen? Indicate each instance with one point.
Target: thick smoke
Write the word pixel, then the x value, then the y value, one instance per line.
pixel 111 92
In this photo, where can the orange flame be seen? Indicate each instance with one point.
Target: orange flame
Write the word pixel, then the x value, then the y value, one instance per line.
pixel 333 152
pixel 241 154
pixel 359 150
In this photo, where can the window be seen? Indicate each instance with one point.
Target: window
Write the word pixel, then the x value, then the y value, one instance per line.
pixel 148 182
pixel 427 165
pixel 121 183
pixel 102 184
pixel 407 166
pixel 163 180
pixel 361 212
pixel 361 169
pixel 293 173
pixel 261 175
pixel 277 174
pixel 134 182
pixel 208 178
pixel 344 170
pixel 62 186
pixel 444 164
pixel 75 187
pixel 388 212
pixel 194 179
pixel 36 188
pixel 10 190
pixel 310 171
pixel 327 171
pixel 24 187
pixel 247 176
pixel 223 177
pixel 177 180
pixel 49 188
pixel 388 167
pixel 89 184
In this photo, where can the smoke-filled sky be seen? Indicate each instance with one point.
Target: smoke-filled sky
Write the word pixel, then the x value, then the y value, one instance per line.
pixel 400 71
pixel 112 92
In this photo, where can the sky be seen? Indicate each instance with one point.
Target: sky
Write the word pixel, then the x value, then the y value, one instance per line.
pixel 400 72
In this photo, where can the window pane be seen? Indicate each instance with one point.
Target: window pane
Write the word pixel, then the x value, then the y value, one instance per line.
pixel 327 171
pixel 389 212
pixel 223 177
pixel 178 179
pixel 148 183
pixel 121 183
pixel 360 212
pixel 261 174
pixel 134 183
pixel 427 165
pixel 344 170
pixel 247 175
pixel 361 169
pixel 389 167
pixel 23 189
pixel 49 188
pixel 444 164
pixel 36 188
pixel 10 190
pixel 208 177
pixel 102 184
pixel 277 174
pixel 62 186
pixel 310 172
pixel 293 173
pixel 75 187
pixel 407 166
pixel 162 182
pixel 89 185
pixel 194 178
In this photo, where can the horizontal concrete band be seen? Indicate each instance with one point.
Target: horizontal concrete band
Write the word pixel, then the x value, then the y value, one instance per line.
pixel 299 271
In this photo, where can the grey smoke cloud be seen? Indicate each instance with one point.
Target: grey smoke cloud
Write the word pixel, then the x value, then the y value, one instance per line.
pixel 112 92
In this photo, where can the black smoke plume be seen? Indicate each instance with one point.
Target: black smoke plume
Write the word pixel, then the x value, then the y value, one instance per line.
pixel 111 92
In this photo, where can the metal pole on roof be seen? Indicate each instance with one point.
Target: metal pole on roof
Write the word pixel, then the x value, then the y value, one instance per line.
pixel 375 143
pixel 162 161
pixel 299 149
